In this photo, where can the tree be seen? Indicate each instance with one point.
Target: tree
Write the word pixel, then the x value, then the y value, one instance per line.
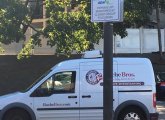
pixel 68 27
pixel 11 19
pixel 158 4
pixel 74 31
pixel 71 29
pixel 135 16
pixel 15 18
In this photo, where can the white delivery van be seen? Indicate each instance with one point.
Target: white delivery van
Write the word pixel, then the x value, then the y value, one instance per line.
pixel 73 90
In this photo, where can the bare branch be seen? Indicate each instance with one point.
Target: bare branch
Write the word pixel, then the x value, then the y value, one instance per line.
pixel 29 25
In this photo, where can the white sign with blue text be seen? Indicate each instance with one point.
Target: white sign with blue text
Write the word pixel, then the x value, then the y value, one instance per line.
pixel 107 10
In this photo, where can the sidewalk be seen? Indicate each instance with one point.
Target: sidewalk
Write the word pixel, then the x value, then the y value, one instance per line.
pixel 161 109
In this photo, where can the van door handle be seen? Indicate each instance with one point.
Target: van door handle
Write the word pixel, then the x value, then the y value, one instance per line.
pixel 86 96
pixel 72 96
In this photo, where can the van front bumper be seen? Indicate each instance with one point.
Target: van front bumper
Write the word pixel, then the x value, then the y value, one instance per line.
pixel 154 116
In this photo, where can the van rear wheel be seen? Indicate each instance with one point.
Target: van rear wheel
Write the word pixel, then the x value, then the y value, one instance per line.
pixel 131 113
pixel 16 114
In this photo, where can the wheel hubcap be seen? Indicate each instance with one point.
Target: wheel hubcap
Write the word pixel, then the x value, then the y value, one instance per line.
pixel 132 116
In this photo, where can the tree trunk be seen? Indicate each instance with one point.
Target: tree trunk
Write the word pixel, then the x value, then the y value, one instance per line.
pixel 158 28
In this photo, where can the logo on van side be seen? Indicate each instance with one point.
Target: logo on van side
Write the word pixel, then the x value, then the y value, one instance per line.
pixel 123 76
pixel 93 77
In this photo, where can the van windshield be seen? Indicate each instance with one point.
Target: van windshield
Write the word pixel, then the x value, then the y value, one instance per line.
pixel 36 81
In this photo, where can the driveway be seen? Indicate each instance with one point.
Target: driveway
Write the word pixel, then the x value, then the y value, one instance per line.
pixel 161 109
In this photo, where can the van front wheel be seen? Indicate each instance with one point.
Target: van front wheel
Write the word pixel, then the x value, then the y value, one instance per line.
pixel 131 114
pixel 16 114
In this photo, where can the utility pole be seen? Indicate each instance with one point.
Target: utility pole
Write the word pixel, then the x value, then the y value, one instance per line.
pixel 108 72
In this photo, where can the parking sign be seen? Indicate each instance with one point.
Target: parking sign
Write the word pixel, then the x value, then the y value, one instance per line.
pixel 107 10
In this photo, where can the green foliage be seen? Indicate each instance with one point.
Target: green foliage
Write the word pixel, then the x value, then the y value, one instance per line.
pixel 136 13
pixel 1 49
pixel 64 27
pixel 70 31
pixel 27 50
pixel 11 19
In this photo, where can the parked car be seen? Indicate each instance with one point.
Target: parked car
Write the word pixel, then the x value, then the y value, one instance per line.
pixel 160 85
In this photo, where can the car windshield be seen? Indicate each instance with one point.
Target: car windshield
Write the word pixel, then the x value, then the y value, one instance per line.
pixel 38 80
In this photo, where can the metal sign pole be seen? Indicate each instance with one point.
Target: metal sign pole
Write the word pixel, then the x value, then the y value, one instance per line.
pixel 108 72
pixel 107 11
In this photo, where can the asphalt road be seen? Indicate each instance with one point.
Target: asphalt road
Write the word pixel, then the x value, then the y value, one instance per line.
pixel 161 109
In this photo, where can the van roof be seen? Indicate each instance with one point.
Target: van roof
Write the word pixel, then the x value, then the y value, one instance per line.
pixel 74 63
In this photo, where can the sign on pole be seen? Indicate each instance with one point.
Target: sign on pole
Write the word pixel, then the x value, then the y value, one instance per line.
pixel 107 10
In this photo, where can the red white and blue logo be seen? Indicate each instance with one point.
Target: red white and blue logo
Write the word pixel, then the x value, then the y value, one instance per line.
pixel 93 77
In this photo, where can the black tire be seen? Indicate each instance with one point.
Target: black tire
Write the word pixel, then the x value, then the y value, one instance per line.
pixel 131 113
pixel 16 114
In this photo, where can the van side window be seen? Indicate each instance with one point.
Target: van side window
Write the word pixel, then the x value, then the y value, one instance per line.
pixel 62 82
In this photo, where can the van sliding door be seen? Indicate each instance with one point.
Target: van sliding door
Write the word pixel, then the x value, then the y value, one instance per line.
pixel 91 90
